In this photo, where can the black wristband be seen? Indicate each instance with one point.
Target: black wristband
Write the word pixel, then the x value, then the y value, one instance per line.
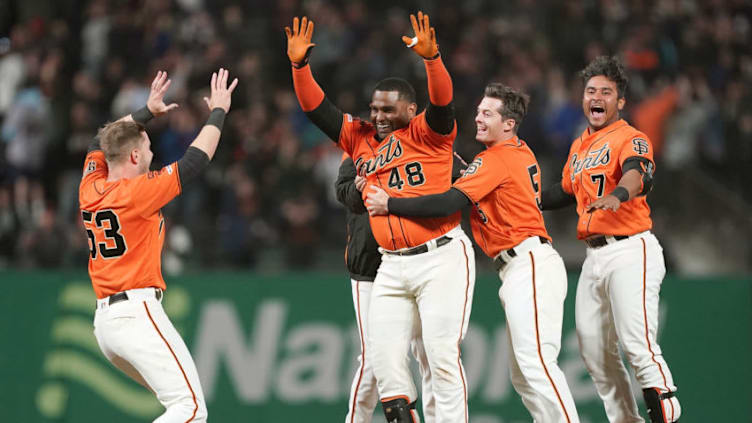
pixel 621 193
pixel 434 57
pixel 217 118
pixel 142 115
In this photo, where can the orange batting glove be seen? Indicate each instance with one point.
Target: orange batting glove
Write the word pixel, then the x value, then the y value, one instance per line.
pixel 299 43
pixel 424 42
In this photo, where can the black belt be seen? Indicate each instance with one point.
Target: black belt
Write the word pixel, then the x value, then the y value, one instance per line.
pixel 600 241
pixel 500 263
pixel 122 296
pixel 420 249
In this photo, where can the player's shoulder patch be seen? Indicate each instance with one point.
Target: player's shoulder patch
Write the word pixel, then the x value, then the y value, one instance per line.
pixel 474 166
pixel 640 145
pixel 90 167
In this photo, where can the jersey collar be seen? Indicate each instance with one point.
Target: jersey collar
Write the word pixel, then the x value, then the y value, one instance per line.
pixel 511 142
pixel 587 135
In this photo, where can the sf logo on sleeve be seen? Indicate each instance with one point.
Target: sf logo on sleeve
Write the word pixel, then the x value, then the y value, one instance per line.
pixel 640 146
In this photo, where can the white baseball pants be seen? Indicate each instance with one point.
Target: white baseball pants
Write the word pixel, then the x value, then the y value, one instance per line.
pixel 438 286
pixel 138 338
pixel 534 286
pixel 617 302
pixel 364 395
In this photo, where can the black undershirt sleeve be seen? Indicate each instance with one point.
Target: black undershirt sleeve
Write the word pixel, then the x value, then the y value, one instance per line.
pixel 434 205
pixel 440 118
pixel 347 194
pixel 328 118
pixel 191 165
pixel 555 197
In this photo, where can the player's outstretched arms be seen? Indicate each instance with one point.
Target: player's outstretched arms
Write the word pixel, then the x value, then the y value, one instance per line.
pixel 202 149
pixel 325 115
pixel 629 187
pixel 555 197
pixel 445 204
pixel 440 110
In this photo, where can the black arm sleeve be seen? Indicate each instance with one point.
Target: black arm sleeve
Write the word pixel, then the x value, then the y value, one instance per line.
pixel 554 197
pixel 434 205
pixel 457 165
pixel 191 165
pixel 328 118
pixel 440 118
pixel 347 194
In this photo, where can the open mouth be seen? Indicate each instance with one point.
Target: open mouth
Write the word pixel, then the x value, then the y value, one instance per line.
pixel 597 112
pixel 383 127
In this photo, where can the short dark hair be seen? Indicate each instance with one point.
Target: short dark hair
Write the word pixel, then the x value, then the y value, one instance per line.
pixel 610 67
pixel 405 90
pixel 513 102
pixel 119 138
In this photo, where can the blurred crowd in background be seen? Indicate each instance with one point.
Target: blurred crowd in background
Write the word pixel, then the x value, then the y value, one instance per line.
pixel 67 67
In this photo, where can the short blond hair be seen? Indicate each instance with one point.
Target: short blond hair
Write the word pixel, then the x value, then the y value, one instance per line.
pixel 118 139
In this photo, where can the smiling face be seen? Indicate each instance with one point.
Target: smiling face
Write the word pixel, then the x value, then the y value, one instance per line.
pixel 491 127
pixel 390 113
pixel 601 102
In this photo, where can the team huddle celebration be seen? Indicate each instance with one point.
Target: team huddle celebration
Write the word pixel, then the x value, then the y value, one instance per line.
pixel 411 264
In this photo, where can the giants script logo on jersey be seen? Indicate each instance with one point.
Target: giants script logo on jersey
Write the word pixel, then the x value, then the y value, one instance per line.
pixel 640 146
pixel 389 151
pixel 595 158
pixel 474 166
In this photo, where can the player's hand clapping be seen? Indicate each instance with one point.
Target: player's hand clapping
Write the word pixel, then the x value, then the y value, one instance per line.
pixel 221 94
pixel 299 43
pixel 159 87
pixel 424 42
pixel 377 201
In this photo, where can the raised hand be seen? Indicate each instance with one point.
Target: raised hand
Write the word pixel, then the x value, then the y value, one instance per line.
pixel 299 43
pixel 377 201
pixel 424 42
pixel 221 94
pixel 159 87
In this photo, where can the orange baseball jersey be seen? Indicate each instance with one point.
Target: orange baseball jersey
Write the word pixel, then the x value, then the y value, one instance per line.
pixel 504 184
pixel 410 162
pixel 594 170
pixel 125 226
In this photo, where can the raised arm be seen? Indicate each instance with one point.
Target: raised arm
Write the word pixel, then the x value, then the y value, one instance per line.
pixel 155 105
pixel 440 110
pixel 202 149
pixel 445 204
pixel 325 115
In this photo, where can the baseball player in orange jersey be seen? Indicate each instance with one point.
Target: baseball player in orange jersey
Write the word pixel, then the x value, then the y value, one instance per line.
pixel 363 258
pixel 428 267
pixel 120 201
pixel 608 174
pixel 503 185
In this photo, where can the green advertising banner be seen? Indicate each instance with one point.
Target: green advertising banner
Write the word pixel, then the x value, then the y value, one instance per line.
pixel 282 348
